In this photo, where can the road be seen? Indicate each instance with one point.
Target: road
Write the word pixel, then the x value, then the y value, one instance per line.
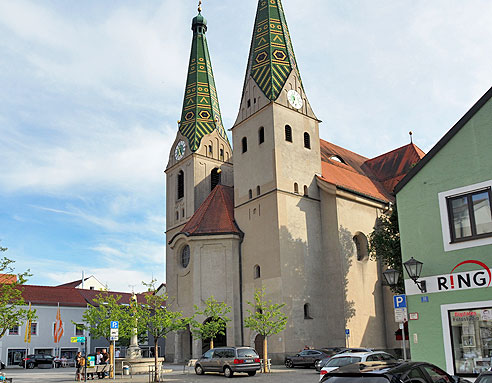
pixel 279 374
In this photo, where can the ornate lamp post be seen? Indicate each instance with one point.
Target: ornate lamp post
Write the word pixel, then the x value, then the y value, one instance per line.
pixel 414 268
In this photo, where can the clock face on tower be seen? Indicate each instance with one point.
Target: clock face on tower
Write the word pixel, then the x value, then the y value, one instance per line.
pixel 295 99
pixel 180 150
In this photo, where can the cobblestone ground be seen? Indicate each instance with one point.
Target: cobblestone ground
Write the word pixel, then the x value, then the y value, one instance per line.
pixel 279 374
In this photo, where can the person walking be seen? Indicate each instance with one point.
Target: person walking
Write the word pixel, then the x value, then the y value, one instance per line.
pixel 79 363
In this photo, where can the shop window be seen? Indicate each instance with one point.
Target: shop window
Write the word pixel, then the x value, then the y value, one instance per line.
pixel 244 143
pixel 470 215
pixel 361 246
pixel 288 133
pixel 307 141
pixel 257 272
pixel 181 187
pixel 261 135
pixel 471 337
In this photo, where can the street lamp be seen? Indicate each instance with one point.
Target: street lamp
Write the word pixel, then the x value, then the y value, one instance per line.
pixel 391 276
pixel 414 268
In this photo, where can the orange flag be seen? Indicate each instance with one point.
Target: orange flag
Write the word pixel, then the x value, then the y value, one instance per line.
pixel 58 326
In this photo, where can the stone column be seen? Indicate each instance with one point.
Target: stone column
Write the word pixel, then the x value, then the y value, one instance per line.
pixel 197 348
pixel 177 347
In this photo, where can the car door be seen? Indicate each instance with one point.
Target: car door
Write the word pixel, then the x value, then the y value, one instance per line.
pixel 435 374
pixel 314 356
pixel 217 357
pixel 302 358
pixel 206 360
pixel 415 375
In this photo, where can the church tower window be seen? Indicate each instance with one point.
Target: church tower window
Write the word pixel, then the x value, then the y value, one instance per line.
pixel 258 190
pixel 361 246
pixel 184 258
pixel 307 311
pixel 257 272
pixel 307 141
pixel 288 133
pixel 261 135
pixel 244 143
pixel 215 178
pixel 306 191
pixel 210 150
pixel 250 193
pixel 222 154
pixel 296 188
pixel 181 188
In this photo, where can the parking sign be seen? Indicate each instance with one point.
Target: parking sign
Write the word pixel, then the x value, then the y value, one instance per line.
pixel 114 324
pixel 400 301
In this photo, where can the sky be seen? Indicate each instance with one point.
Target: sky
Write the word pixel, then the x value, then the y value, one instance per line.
pixel 91 91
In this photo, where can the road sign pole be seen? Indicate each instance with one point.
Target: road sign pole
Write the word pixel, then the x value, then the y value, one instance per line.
pixel 114 360
pixel 403 341
pixel 86 359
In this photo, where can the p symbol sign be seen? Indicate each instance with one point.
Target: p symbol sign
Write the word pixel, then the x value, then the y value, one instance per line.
pixel 400 301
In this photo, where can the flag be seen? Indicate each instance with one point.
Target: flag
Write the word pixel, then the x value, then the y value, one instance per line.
pixel 27 337
pixel 58 326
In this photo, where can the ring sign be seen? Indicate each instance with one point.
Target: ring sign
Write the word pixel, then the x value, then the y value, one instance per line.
pixel 114 324
pixel 400 301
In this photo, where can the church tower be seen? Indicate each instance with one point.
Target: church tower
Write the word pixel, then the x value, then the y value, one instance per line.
pixel 277 202
pixel 199 179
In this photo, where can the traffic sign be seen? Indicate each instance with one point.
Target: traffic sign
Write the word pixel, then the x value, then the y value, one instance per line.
pixel 347 332
pixel 115 324
pixel 113 338
pixel 77 339
pixel 401 315
pixel 399 301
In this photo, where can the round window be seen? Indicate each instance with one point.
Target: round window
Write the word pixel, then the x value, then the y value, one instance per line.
pixel 185 256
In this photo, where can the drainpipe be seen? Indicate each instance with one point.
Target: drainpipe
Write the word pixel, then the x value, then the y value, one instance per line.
pixel 241 288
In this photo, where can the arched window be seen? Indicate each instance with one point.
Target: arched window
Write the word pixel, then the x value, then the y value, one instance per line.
pixel 361 246
pixel 257 272
pixel 210 150
pixel 244 143
pixel 258 190
pixel 181 184
pixel 307 140
pixel 184 257
pixel 306 191
pixel 177 215
pixel 250 193
pixel 296 188
pixel 288 133
pixel 307 311
pixel 261 135
pixel 222 154
pixel 215 178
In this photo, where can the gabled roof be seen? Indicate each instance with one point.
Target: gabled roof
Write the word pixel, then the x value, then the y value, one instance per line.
pixel 8 278
pixel 445 139
pixel 201 112
pixel 271 58
pixel 374 178
pixel 215 215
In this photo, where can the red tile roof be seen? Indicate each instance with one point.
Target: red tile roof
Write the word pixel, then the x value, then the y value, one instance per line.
pixel 215 215
pixel 8 278
pixel 375 178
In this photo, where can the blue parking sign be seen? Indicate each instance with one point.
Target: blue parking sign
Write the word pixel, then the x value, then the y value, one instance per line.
pixel 400 301
pixel 114 324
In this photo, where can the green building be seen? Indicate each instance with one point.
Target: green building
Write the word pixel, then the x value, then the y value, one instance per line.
pixel 444 207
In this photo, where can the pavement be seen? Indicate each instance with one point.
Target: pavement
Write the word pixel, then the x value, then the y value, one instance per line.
pixel 174 374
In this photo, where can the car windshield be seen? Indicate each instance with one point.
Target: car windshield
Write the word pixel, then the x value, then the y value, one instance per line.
pixel 484 379
pixel 360 379
pixel 343 361
pixel 246 353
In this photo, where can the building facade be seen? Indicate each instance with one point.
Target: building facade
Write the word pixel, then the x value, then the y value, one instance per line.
pixel 444 207
pixel 286 211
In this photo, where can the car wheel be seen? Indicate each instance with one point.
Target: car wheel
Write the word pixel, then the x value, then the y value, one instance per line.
pixel 252 373
pixel 30 366
pixel 228 372
pixel 199 370
pixel 289 364
pixel 316 362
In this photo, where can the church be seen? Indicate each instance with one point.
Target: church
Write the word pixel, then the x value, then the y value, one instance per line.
pixel 279 209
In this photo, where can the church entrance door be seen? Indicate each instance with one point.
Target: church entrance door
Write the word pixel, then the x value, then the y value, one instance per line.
pixel 219 341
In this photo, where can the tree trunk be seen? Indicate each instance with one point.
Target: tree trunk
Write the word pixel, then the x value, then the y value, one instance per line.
pixel 156 361
pixel 212 343
pixel 265 355
pixel 111 353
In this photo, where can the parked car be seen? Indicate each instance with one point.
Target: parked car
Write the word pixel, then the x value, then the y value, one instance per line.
pixel 229 360
pixel 484 377
pixel 390 372
pixel 35 360
pixel 346 358
pixel 319 365
pixel 306 358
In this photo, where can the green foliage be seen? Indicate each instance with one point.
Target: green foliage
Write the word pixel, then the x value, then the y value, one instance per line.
pixel 11 314
pixel 98 317
pixel 216 320
pixel 265 317
pixel 384 245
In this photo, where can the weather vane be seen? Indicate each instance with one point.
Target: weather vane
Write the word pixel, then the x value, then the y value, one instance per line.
pixel 411 137
pixel 199 6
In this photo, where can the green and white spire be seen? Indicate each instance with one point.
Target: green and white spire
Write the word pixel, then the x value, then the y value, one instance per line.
pixel 201 112
pixel 271 58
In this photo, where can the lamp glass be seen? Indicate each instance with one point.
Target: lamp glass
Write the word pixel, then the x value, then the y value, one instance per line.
pixel 391 276
pixel 414 268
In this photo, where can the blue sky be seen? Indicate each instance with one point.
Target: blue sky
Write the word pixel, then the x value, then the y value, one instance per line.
pixel 90 92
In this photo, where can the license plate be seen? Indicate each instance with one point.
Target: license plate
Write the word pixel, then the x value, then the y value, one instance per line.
pixel 249 360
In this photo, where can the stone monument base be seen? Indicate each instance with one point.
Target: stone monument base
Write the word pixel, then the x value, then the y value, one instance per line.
pixel 137 366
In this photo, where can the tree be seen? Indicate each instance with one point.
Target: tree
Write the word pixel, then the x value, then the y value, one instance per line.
pixel 215 323
pixel 11 300
pixel 384 245
pixel 266 318
pixel 156 317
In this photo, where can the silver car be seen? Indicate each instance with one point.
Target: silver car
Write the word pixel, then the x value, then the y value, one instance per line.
pixel 228 360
